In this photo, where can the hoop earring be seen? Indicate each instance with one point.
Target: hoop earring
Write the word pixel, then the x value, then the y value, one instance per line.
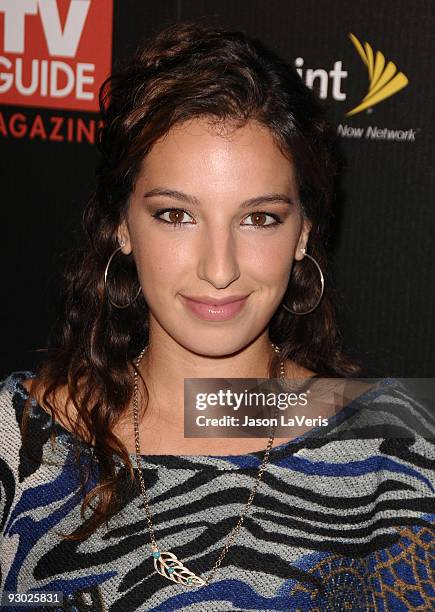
pixel 106 286
pixel 322 282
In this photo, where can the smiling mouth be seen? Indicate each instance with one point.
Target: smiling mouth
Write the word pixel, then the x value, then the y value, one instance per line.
pixel 215 312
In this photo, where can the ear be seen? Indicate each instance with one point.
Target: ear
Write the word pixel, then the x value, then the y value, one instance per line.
pixel 124 238
pixel 303 239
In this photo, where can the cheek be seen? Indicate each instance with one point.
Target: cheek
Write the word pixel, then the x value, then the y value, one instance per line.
pixel 270 260
pixel 159 262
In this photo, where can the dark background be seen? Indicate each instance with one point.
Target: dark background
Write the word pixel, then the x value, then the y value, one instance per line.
pixel 383 256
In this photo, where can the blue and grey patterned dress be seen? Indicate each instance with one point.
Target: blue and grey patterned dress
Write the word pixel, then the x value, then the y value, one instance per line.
pixel 338 522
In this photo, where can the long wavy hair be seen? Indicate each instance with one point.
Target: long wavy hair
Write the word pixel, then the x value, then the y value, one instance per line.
pixel 188 70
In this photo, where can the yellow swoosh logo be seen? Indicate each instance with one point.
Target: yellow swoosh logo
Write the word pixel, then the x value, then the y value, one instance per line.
pixel 383 80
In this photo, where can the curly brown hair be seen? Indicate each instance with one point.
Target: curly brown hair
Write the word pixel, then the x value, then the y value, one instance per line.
pixel 187 70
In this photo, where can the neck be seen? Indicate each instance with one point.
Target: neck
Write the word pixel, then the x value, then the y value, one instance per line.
pixel 166 364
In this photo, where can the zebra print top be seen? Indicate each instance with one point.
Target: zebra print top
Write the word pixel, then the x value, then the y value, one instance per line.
pixel 338 522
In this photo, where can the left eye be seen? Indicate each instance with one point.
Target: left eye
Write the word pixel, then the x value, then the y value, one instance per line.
pixel 259 218
pixel 178 213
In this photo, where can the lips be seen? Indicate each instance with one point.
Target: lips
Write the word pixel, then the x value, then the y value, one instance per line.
pixel 215 310
pixel 211 301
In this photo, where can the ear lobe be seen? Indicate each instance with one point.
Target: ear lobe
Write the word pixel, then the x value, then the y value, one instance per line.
pixel 124 239
pixel 300 253
pixel 301 248
pixel 303 240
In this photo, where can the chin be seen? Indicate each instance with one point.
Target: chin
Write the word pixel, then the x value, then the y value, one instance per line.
pixel 210 348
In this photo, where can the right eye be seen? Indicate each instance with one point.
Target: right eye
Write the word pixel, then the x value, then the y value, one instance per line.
pixel 175 216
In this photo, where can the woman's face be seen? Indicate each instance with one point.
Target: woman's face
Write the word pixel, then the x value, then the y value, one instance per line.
pixel 225 244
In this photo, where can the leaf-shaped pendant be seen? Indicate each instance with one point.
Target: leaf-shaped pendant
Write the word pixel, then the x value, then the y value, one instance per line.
pixel 167 565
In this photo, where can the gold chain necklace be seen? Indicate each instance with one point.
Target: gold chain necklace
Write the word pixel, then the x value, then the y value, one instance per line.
pixel 166 563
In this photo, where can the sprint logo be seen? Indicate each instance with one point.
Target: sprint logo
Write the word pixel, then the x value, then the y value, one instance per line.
pixel 384 80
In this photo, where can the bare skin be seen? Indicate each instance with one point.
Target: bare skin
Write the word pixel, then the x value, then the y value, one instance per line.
pixel 159 437
pixel 218 250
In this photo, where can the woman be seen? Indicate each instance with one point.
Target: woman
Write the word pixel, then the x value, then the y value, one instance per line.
pixel 205 257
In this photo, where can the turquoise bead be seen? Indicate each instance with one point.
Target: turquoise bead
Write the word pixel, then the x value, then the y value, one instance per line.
pixel 170 570
pixel 156 554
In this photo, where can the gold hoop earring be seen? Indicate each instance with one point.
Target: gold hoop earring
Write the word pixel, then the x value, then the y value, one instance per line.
pixel 106 288
pixel 322 282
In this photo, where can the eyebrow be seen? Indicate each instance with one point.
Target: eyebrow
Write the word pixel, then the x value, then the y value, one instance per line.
pixel 270 198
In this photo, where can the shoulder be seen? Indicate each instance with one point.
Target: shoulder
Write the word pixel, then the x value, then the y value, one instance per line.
pixel 21 396
pixel 402 407
pixel 382 440
pixel 392 425
pixel 65 413
pixel 13 396
pixel 14 392
pixel 372 419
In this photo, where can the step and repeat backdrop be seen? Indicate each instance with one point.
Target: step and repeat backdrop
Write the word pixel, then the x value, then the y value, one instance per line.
pixel 372 64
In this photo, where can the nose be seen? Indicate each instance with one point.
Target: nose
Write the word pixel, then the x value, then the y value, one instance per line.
pixel 217 262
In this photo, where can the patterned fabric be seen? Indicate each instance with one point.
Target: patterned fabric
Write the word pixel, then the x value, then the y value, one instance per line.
pixel 338 522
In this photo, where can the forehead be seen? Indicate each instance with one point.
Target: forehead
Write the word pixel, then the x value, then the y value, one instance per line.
pixel 221 156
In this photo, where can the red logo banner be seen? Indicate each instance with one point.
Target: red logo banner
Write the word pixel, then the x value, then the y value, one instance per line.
pixel 54 53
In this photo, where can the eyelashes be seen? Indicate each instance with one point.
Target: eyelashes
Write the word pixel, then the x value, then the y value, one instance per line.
pixel 157 216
